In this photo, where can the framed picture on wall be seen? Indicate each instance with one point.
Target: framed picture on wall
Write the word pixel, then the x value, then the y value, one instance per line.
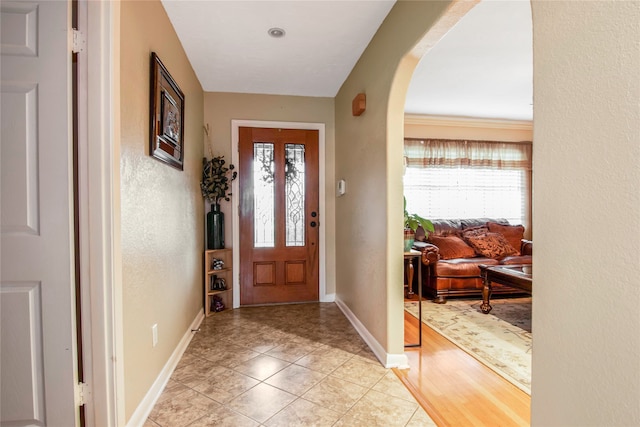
pixel 166 141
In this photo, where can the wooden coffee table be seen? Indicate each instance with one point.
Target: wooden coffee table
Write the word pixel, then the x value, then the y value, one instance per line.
pixel 517 276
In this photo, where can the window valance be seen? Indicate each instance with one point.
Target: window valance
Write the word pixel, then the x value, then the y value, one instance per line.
pixel 467 153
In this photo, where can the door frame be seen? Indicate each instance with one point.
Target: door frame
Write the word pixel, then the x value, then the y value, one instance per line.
pixel 235 212
pixel 99 199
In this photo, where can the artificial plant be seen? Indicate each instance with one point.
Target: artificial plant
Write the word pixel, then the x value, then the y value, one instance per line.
pixel 412 221
pixel 216 178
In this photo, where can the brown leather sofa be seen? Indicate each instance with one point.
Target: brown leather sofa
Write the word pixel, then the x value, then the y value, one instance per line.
pixel 451 255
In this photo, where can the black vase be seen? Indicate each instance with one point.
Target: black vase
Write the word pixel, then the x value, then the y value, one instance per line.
pixel 215 228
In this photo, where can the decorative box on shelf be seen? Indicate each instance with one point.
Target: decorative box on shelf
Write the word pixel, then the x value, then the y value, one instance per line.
pixel 218 280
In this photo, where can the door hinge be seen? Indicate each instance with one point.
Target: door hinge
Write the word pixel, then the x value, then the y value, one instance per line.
pixel 79 41
pixel 83 394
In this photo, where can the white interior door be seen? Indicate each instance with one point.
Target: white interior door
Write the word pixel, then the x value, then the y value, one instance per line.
pixel 37 281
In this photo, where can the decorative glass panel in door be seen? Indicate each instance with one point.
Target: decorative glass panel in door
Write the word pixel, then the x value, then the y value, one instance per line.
pixel 263 196
pixel 294 193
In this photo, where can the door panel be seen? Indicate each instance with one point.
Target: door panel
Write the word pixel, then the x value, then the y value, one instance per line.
pixel 36 285
pixel 278 174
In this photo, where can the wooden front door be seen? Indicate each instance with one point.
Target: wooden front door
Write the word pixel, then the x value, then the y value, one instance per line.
pixel 278 173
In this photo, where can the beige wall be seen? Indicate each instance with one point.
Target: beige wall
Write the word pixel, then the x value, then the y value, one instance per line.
pixel 161 220
pixel 369 158
pixel 221 108
pixel 586 321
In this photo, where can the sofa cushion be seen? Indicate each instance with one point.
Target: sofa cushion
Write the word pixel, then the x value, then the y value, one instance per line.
pixel 477 222
pixel 491 245
pixel 451 247
pixel 446 226
pixel 521 259
pixel 461 267
pixel 441 227
pixel 513 233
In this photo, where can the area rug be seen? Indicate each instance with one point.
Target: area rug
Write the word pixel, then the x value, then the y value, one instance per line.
pixel 501 339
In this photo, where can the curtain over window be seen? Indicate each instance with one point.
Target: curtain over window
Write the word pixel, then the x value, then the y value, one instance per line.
pixel 468 179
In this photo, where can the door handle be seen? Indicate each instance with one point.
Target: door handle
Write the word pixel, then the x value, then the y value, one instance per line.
pixel 313 224
pixel 314 214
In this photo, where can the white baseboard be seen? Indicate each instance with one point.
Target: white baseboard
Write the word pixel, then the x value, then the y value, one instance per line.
pixel 144 409
pixel 328 298
pixel 388 360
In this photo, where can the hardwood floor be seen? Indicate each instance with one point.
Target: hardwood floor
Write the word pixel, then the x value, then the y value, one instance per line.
pixel 454 388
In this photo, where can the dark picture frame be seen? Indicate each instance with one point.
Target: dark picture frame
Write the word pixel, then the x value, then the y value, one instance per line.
pixel 166 133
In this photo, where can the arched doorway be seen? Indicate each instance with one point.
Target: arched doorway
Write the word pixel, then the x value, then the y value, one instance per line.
pixel 458 126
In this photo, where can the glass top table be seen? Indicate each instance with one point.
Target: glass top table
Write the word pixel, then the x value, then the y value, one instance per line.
pixel 517 276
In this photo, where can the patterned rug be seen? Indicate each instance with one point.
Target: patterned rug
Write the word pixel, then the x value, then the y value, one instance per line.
pixel 501 340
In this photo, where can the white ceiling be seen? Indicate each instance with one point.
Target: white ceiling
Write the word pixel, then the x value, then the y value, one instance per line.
pixel 230 50
pixel 481 68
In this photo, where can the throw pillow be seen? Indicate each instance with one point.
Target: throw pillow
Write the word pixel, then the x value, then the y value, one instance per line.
pixel 452 247
pixel 513 233
pixel 475 231
pixel 491 245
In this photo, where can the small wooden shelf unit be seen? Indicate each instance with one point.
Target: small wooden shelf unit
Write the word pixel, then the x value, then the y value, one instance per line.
pixel 211 274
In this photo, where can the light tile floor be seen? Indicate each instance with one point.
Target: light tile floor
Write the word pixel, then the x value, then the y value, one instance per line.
pixel 286 365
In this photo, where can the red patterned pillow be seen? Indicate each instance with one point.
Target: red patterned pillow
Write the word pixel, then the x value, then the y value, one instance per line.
pixel 513 234
pixel 452 247
pixel 491 245
pixel 474 232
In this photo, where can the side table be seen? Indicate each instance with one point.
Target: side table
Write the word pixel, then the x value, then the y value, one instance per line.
pixel 408 259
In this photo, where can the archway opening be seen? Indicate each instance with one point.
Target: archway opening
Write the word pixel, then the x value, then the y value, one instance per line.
pixel 521 130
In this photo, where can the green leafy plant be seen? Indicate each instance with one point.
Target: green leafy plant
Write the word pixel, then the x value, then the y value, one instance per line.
pixel 412 221
pixel 216 178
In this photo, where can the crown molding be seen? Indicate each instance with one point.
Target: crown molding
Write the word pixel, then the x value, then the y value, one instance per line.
pixel 451 121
